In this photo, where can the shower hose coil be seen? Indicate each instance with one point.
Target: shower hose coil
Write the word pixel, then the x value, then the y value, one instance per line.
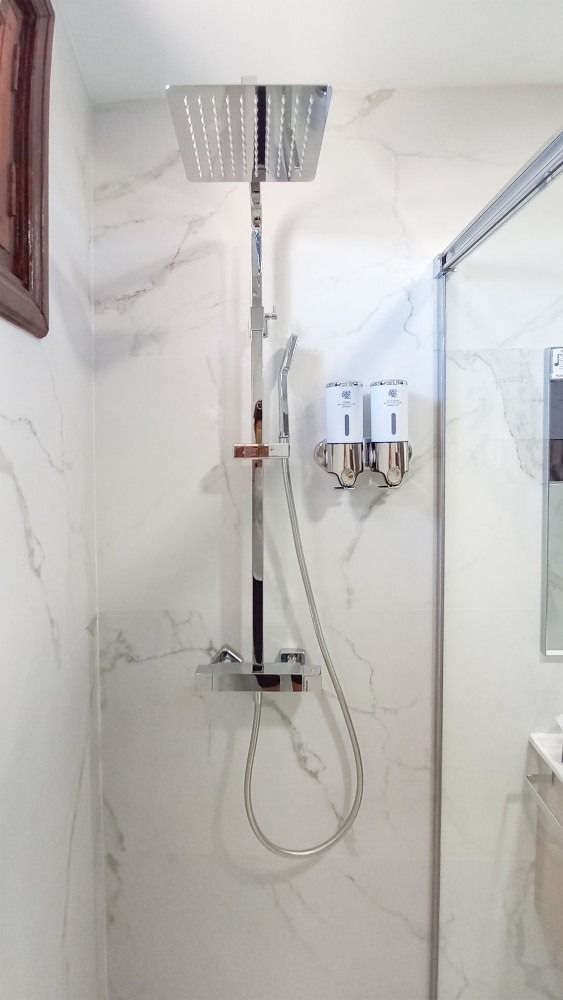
pixel 349 819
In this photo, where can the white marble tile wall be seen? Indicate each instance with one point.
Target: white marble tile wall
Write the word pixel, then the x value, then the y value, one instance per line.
pixel 49 796
pixel 504 309
pixel 196 908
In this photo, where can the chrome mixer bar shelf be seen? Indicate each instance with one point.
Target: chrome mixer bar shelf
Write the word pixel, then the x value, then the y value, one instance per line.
pixel 290 673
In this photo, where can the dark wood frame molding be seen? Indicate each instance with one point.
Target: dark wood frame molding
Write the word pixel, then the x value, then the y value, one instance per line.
pixel 24 288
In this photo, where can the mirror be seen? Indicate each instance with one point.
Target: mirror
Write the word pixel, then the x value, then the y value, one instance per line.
pixel 554 503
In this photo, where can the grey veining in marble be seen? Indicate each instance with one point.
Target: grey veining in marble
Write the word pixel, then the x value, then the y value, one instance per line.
pixel 348 266
pixel 52 944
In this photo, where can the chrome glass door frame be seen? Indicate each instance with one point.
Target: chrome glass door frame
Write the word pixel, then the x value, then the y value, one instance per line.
pixel 528 182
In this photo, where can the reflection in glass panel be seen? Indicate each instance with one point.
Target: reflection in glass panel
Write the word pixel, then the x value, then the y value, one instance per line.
pixel 502 863
pixel 554 561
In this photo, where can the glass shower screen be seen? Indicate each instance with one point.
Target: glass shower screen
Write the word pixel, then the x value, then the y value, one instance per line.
pixel 501 930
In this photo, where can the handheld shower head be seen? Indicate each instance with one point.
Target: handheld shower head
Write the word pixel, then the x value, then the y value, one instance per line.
pixel 282 387
pixel 288 356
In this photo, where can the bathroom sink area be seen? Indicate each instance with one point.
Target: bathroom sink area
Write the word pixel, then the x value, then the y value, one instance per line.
pixel 545 772
pixel 549 746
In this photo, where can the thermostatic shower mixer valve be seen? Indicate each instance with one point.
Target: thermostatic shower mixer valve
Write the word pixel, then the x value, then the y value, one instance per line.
pixel 347 450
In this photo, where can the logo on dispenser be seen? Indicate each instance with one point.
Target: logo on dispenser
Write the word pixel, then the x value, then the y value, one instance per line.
pixel 346 394
pixel 392 393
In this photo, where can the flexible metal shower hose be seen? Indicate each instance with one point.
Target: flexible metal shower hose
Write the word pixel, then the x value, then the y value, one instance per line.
pixel 348 821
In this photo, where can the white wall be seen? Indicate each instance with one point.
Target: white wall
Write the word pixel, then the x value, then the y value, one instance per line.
pixel 196 908
pixel 48 790
pixel 502 870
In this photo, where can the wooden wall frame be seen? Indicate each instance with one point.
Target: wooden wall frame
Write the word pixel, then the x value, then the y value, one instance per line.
pixel 26 36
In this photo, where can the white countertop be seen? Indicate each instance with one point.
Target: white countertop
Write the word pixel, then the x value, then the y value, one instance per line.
pixel 550 748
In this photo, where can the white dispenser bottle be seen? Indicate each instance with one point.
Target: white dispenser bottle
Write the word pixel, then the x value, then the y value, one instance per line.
pixel 389 411
pixel 344 409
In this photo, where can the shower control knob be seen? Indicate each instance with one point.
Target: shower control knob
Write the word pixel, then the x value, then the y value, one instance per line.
pixel 267 317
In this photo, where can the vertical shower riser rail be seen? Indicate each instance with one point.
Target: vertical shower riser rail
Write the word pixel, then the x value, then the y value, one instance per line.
pixel 257 333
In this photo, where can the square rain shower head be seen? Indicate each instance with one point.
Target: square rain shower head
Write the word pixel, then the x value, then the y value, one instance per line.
pixel 249 132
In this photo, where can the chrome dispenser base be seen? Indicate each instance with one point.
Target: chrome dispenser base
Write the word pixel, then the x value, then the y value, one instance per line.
pixel 389 459
pixel 290 673
pixel 345 461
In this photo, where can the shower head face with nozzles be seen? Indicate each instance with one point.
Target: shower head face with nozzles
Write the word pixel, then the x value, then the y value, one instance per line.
pixel 250 132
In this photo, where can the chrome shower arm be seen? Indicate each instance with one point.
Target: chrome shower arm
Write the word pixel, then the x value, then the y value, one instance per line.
pixel 283 404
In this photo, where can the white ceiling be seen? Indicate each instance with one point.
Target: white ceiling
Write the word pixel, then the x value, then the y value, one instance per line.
pixel 131 48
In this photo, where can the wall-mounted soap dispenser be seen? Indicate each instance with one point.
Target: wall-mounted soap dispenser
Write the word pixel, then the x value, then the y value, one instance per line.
pixel 342 451
pixel 388 450
pixel 345 452
pixel 344 408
